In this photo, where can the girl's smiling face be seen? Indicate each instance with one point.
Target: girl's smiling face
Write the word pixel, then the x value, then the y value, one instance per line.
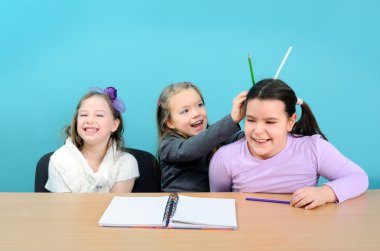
pixel 266 127
pixel 187 113
pixel 95 121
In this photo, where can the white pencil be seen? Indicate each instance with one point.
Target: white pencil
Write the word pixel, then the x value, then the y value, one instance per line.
pixel 283 62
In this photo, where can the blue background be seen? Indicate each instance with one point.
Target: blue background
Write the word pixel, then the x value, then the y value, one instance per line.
pixel 51 52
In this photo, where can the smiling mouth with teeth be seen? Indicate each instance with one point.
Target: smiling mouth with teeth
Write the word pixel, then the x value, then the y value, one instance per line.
pixel 91 129
pixel 197 124
pixel 261 140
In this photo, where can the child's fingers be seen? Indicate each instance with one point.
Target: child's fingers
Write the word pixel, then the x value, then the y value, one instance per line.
pixel 238 108
pixel 308 197
pixel 300 198
pixel 306 202
pixel 299 202
pixel 312 205
pixel 297 196
pixel 241 98
pixel 243 94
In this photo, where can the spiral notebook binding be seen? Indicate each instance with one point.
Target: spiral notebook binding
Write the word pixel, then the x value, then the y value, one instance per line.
pixel 170 208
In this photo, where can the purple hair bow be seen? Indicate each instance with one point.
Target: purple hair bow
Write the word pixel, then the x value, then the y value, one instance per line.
pixel 118 104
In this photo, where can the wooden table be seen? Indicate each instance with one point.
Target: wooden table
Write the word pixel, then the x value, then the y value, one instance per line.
pixel 33 221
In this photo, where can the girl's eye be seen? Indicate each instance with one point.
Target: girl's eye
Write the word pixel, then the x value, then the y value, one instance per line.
pixel 201 104
pixel 271 122
pixel 82 115
pixel 183 111
pixel 100 115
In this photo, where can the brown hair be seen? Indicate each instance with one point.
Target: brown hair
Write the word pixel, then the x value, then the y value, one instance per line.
pixel 276 89
pixel 71 130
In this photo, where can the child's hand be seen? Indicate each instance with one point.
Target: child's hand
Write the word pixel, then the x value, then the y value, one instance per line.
pixel 311 197
pixel 238 107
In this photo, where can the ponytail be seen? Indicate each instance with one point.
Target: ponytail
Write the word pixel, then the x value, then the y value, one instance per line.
pixel 307 124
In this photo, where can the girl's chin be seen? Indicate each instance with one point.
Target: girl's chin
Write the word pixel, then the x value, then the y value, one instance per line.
pixel 258 153
pixel 198 130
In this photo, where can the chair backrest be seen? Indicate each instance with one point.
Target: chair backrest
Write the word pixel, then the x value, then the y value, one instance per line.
pixel 150 172
pixel 42 174
pixel 149 180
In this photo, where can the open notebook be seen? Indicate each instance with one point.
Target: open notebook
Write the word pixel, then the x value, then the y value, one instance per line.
pixel 174 211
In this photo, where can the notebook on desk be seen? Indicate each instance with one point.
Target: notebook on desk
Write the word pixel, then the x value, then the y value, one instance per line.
pixel 174 211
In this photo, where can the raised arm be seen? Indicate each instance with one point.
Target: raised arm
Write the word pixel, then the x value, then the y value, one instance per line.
pixel 178 149
pixel 182 150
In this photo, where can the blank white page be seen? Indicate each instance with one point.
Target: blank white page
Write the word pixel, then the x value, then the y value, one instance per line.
pixel 206 211
pixel 134 211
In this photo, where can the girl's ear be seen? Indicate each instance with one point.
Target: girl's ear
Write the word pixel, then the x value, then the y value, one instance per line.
pixel 291 121
pixel 170 124
pixel 115 125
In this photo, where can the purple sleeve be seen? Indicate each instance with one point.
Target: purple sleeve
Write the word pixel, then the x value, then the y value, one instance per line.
pixel 345 177
pixel 220 179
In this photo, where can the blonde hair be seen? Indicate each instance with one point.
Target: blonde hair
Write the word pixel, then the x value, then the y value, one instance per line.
pixel 71 130
pixel 163 113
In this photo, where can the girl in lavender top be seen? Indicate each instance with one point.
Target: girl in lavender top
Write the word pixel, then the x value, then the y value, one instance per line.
pixel 282 155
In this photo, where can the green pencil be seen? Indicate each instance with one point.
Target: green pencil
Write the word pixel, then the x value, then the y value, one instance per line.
pixel 250 68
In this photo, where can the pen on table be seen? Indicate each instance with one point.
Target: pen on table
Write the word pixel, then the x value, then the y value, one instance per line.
pixel 251 70
pixel 268 200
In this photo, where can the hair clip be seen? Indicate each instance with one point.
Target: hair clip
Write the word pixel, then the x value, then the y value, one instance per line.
pixel 111 91
pixel 299 101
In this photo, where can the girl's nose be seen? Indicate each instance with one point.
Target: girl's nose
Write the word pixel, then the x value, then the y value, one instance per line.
pixel 259 128
pixel 196 112
pixel 89 119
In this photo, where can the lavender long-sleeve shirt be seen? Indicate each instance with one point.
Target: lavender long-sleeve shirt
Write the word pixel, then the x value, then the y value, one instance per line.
pixel 298 165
